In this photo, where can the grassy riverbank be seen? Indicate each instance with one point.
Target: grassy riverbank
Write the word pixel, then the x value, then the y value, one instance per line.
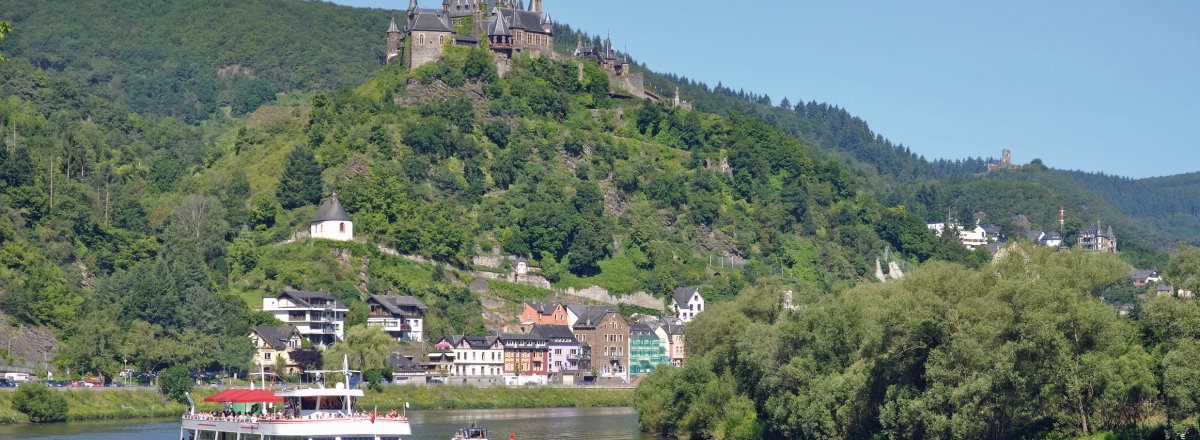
pixel 101 404
pixel 116 403
pixel 469 397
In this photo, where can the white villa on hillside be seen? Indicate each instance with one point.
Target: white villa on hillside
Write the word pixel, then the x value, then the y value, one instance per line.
pixel 317 315
pixel 687 303
pixel 331 222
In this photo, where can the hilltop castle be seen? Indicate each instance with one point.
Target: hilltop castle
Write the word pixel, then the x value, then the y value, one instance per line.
pixel 507 27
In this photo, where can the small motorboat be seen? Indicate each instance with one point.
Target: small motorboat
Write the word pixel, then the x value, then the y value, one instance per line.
pixel 472 432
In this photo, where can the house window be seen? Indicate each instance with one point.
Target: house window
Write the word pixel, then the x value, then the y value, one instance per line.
pixel 342 228
pixel 267 356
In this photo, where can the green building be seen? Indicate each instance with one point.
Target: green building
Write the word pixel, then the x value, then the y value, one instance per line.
pixel 646 350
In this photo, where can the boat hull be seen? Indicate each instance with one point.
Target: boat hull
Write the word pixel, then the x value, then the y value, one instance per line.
pixel 381 428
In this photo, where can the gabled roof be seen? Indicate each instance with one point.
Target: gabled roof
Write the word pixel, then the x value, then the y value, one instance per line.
pixel 590 316
pixel 684 294
pixel 522 336
pixel 401 364
pixel 640 329
pixel 1051 235
pixel 553 332
pixel 429 21
pixel 991 229
pixel 331 210
pixel 475 342
pixel 277 337
pixel 543 308
pixel 672 325
pixel 1034 236
pixel 393 303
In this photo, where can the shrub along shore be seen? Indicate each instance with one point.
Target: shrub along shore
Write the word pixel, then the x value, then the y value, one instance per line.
pixel 116 403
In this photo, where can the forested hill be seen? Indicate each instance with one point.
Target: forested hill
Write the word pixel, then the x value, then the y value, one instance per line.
pixel 157 58
pixel 1171 204
pixel 189 59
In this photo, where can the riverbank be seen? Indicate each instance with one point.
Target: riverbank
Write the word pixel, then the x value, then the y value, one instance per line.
pixel 118 403
pixel 469 397
pixel 102 404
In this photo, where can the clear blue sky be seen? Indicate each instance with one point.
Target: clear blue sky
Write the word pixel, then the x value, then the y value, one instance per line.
pixel 1096 85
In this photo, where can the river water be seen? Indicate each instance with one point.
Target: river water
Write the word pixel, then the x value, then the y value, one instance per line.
pixel 534 424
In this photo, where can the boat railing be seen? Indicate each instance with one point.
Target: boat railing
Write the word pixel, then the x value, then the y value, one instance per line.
pixel 283 417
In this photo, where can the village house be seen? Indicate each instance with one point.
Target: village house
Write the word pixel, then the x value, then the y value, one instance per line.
pixel 331 222
pixel 542 313
pixel 405 371
pixel 671 329
pixel 687 303
pixel 1142 278
pixel 271 344
pixel 318 316
pixel 646 351
pixel 474 356
pixel 402 317
pixel 526 358
pixel 607 334
pixel 564 353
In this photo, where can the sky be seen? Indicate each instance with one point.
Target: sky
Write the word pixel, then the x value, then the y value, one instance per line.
pixel 1097 85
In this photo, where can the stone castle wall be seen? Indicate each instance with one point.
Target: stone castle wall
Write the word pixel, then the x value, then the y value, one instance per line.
pixel 425 48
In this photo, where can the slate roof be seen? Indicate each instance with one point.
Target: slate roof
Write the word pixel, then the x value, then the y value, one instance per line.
pixel 498 27
pixel 393 303
pixel 640 329
pixel 589 316
pixel 277 337
pixel 393 29
pixel 401 364
pixel 554 333
pixel 474 342
pixel 672 325
pixel 1034 236
pixel 684 294
pixel 991 229
pixel 331 210
pixel 542 308
pixel 1052 235
pixel 304 299
pixel 429 21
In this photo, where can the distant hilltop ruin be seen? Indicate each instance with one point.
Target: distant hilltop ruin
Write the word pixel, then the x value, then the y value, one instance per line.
pixel 508 28
pixel 1005 162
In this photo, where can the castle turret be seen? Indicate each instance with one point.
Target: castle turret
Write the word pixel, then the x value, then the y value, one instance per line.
pixel 677 101
pixel 393 42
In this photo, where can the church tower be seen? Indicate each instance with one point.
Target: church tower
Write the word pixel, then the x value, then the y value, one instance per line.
pixel 393 42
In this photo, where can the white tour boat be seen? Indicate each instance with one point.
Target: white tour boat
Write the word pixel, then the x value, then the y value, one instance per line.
pixel 300 414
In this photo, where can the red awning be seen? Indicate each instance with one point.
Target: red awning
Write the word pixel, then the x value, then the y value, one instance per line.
pixel 243 396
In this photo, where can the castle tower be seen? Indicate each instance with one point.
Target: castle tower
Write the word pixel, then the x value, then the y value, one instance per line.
pixel 677 100
pixel 393 42
pixel 578 43
pixel 1007 156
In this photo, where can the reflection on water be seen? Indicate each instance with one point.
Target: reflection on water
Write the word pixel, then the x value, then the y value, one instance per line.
pixel 553 423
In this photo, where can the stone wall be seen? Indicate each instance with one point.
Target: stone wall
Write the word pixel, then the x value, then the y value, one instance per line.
pixel 601 295
pixel 425 48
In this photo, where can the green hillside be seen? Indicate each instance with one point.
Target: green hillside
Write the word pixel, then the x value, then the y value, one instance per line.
pixel 119 229
pixel 191 59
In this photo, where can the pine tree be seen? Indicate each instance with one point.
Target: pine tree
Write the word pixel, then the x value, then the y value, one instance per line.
pixel 301 181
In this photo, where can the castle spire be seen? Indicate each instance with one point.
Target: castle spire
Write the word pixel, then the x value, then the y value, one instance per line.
pixel 393 29
pixel 412 6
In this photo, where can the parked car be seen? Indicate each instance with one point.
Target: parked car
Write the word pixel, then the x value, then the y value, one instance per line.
pixel 5 383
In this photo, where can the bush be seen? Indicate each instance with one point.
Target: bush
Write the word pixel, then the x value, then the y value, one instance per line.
pixel 40 403
pixel 174 383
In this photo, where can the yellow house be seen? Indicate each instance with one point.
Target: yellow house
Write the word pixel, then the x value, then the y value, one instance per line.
pixel 274 343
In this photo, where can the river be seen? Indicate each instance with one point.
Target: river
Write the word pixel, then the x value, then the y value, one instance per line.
pixel 554 423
